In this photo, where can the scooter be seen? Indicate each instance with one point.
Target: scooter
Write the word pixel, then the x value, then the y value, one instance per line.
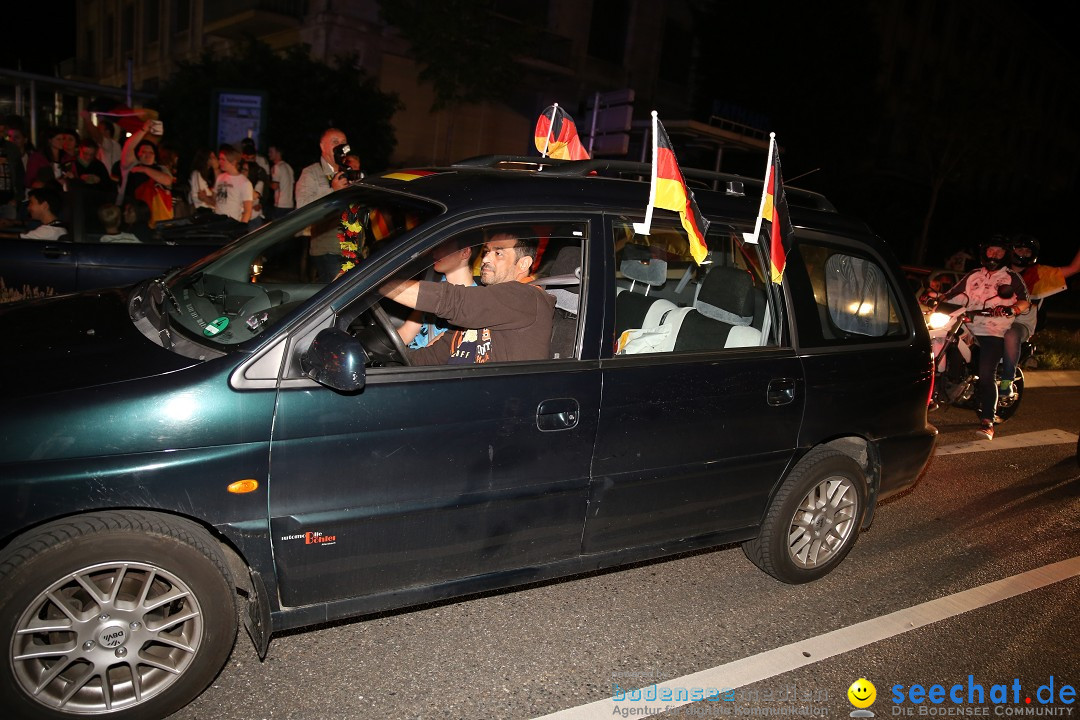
pixel 956 363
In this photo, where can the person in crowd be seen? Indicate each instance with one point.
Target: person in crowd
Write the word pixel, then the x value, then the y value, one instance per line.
pixel 504 320
pixel 104 134
pixel 259 187
pixel 137 220
pixel 11 175
pixel 47 165
pixel 249 152
pixel 318 180
pixel 257 170
pixel 282 181
pixel 204 171
pixel 16 133
pixel 454 260
pixel 88 170
pixel 110 216
pixel 45 207
pixel 233 194
pixel 139 163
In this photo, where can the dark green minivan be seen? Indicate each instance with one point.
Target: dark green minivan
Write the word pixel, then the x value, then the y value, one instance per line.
pixel 239 439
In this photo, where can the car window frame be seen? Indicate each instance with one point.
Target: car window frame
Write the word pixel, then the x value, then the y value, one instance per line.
pixel 797 293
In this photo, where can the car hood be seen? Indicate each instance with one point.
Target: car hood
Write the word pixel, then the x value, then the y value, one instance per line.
pixel 71 341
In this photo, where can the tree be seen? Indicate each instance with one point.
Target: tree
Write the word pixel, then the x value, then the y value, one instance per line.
pixel 465 49
pixel 304 97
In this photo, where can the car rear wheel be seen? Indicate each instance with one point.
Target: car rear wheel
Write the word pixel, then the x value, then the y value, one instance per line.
pixel 813 521
pixel 117 615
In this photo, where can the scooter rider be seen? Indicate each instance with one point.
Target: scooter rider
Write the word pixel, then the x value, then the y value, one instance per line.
pixel 991 286
pixel 1041 282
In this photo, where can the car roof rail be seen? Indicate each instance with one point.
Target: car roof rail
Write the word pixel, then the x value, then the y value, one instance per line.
pixel 727 183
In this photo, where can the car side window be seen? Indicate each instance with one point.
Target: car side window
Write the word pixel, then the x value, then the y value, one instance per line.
pixel 665 302
pixel 842 297
pixel 484 257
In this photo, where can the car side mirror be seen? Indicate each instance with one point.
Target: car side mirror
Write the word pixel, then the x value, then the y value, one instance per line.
pixel 335 359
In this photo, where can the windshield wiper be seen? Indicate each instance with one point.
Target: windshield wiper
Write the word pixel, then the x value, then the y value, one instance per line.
pixel 161 291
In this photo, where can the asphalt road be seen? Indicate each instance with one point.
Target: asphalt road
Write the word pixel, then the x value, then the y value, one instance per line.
pixel 955 585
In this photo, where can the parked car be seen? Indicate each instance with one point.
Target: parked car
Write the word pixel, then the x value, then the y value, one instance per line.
pixel 82 261
pixel 238 435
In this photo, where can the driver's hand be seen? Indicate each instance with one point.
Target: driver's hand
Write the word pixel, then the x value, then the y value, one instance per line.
pixel 1003 311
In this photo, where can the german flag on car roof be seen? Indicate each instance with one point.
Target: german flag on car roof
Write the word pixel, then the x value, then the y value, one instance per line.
pixel 672 194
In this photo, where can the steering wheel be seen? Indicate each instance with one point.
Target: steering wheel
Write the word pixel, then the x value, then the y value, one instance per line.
pixel 399 352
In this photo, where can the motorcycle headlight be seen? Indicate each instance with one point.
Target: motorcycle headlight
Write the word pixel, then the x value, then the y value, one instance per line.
pixel 938 320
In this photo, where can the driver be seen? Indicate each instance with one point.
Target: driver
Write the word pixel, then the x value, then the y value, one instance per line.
pixel 504 318
pixel 993 286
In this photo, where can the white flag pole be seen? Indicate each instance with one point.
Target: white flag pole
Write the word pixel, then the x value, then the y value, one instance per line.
pixel 645 227
pixel 753 237
pixel 551 128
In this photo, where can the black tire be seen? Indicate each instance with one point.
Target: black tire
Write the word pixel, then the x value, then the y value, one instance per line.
pixel 813 521
pixel 162 599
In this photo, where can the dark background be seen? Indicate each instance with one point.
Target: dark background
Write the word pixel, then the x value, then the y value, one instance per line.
pixel 810 68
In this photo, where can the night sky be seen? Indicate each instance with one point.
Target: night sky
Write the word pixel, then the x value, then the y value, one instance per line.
pixel 42 34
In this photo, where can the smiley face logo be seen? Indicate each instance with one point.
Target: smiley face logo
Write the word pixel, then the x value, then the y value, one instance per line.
pixel 862 693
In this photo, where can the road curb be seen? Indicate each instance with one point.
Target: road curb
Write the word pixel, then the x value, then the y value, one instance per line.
pixel 1051 378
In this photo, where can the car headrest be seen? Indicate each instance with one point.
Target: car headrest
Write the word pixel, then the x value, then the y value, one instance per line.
pixel 727 295
pixel 567 262
pixel 652 272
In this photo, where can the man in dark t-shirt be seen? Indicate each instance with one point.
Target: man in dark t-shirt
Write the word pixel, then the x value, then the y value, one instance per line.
pixel 504 319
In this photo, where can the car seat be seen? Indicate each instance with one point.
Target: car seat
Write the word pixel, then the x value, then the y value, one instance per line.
pixel 722 315
pixel 633 308
pixel 563 282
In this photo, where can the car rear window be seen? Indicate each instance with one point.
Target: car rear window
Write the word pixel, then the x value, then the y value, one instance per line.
pixel 842 297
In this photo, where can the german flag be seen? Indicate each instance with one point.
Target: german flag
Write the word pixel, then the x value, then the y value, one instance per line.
pixel 557 136
pixel 671 193
pixel 774 210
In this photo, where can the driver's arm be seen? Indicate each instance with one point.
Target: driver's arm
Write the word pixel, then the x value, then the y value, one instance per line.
pixel 406 292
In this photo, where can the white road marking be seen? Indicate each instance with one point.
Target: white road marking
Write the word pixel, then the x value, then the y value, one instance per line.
pixel 1008 442
pixel 806 652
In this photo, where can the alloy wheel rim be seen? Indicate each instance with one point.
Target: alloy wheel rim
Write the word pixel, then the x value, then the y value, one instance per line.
pixel 823 522
pixel 106 637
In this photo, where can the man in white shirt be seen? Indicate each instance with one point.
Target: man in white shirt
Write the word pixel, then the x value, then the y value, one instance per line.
pixel 43 206
pixel 318 180
pixel 233 193
pixel 283 181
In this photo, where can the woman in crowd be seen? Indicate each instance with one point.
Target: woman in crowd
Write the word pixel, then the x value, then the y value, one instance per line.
pixel 204 170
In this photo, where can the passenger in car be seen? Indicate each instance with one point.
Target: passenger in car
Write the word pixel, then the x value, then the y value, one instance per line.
pixel 453 259
pixel 505 319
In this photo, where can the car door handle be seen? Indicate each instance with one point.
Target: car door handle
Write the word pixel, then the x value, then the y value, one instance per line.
pixel 53 252
pixel 558 414
pixel 781 391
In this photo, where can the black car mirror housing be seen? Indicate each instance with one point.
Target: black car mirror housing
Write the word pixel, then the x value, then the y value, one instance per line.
pixel 335 359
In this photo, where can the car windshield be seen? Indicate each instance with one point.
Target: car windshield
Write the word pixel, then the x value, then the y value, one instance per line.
pixel 245 289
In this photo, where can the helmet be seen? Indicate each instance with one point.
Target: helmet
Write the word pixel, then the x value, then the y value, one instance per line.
pixel 1000 257
pixel 1025 250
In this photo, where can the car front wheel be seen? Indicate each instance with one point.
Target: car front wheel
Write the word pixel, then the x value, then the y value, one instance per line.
pixel 117 615
pixel 813 521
